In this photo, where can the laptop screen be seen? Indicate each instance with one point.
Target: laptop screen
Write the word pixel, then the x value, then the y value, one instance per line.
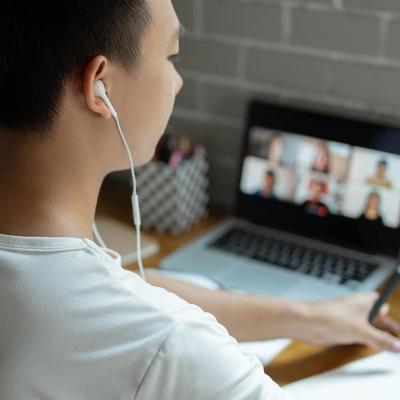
pixel 323 177
pixel 342 187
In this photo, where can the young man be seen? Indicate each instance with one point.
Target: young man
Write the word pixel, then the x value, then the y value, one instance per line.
pixel 380 178
pixel 73 323
pixel 267 190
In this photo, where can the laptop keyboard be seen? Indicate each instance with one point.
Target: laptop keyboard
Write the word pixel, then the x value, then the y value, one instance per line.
pixel 331 267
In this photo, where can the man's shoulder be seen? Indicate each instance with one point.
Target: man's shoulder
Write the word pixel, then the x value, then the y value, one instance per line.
pixel 209 365
pixel 175 309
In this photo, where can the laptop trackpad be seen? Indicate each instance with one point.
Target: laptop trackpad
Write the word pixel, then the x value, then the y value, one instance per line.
pixel 315 290
pixel 259 280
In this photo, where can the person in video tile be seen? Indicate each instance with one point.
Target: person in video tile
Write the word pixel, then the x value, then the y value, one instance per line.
pixel 275 148
pixel 322 158
pixel 380 178
pixel 372 211
pixel 315 205
pixel 267 190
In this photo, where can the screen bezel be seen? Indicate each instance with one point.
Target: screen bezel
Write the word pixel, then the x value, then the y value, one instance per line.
pixel 286 216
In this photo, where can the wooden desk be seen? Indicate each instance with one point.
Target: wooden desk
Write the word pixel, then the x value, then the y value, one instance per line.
pixel 298 360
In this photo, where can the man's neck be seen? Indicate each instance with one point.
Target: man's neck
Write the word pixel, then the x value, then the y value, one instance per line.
pixel 46 211
pixel 40 196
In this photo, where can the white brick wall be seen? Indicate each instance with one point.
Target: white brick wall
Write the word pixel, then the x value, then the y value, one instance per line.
pixel 339 55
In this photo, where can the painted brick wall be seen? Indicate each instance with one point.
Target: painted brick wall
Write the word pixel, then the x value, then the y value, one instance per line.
pixel 337 55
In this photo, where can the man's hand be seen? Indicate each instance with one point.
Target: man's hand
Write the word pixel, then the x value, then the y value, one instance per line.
pixel 345 321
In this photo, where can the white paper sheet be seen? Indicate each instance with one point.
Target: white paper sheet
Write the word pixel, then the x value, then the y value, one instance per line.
pixel 264 350
pixel 373 378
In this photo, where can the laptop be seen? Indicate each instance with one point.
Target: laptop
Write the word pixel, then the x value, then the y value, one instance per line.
pixel 317 211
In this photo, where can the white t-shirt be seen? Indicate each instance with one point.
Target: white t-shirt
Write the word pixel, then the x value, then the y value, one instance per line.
pixel 75 325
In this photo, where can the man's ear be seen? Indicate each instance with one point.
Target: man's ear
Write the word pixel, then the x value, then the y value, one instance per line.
pixel 96 69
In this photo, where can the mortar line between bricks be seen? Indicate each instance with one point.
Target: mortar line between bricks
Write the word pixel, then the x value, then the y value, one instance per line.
pixel 302 51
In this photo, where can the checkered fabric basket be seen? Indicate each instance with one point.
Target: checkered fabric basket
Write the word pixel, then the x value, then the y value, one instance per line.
pixel 173 200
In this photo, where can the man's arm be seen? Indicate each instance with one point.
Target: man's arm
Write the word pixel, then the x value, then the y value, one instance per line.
pixel 249 317
pixel 246 317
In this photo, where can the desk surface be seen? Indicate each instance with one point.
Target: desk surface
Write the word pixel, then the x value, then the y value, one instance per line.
pixel 299 360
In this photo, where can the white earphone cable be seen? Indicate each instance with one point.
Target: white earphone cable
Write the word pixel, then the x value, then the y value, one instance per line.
pixel 100 91
pixel 134 200
pixel 97 236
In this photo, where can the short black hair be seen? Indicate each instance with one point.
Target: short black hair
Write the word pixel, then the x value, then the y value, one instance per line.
pixel 42 43
pixel 270 173
pixel 383 163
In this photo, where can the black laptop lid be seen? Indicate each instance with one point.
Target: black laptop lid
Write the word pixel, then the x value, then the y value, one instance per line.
pixel 321 176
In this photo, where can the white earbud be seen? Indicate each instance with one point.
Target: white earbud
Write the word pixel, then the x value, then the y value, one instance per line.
pixel 100 91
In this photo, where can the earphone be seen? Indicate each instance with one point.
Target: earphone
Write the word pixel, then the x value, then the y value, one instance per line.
pixel 100 91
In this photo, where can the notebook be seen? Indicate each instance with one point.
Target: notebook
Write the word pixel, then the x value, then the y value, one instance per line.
pixel 121 238
pixel 372 378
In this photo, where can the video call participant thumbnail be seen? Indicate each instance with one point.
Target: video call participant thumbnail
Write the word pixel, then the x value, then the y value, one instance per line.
pixel 267 190
pixel 372 210
pixel 380 178
pixel 315 205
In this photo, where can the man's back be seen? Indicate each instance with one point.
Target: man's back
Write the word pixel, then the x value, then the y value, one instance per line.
pixel 75 325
